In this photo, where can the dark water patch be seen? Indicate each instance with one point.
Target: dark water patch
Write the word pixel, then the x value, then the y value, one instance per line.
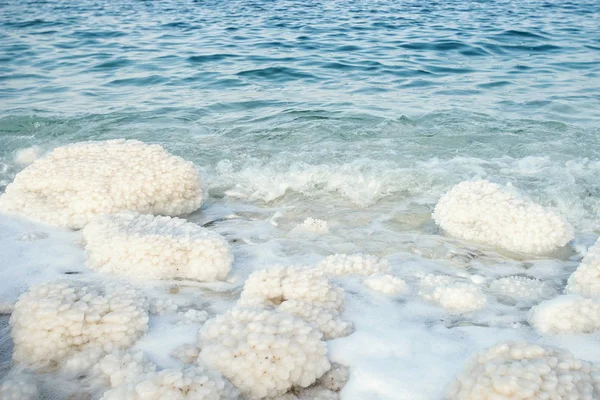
pixel 278 74
pixel 142 81
pixel 200 59
pixel 113 64
pixel 495 84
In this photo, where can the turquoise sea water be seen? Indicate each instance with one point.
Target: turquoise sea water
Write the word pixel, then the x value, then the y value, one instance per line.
pixel 360 104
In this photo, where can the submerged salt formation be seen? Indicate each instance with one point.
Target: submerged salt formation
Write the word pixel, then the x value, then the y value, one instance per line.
pixel 155 247
pixel 566 314
pixel 454 296
pixel 304 292
pixel 485 212
pixel 263 353
pixel 193 383
pixel 386 284
pixel 522 289
pixel 585 281
pixel 313 225
pixel 19 386
pixel 55 321
pixel 359 264
pixel 525 371
pixel 74 183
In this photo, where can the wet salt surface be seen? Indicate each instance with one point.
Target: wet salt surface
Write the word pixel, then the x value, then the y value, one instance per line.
pixel 400 345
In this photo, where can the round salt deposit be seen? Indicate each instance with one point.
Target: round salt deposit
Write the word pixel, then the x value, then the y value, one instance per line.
pixel 485 212
pixel 74 183
pixel 525 371
pixel 54 321
pixel 154 247
pixel 263 353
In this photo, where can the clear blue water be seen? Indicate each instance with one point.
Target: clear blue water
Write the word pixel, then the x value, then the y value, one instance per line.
pixel 359 104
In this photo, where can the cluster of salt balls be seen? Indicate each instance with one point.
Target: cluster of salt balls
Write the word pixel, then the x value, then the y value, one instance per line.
pixel 74 183
pixel 155 247
pixel 485 212
pixel 264 353
pixel 301 291
pixel 578 311
pixel 520 370
pixel 55 323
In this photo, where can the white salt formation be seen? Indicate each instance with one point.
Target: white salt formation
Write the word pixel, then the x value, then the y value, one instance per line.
pixel 263 353
pixel 525 371
pixel 27 155
pixel 304 292
pixel 193 383
pixel 313 225
pixel 386 284
pixel 485 212
pixel 54 321
pixel 566 314
pixel 154 247
pixel 521 288
pixel 585 281
pixel 455 297
pixel 360 264
pixel 122 367
pixel 19 386
pixel 74 183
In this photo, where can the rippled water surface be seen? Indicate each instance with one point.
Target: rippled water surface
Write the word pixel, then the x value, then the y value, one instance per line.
pixel 356 100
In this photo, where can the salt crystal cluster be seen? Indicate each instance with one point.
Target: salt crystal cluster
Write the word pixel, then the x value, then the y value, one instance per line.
pixel 455 297
pixel 193 383
pixel 192 316
pixel 360 264
pixel 566 314
pixel 585 281
pixel 162 306
pixel 305 292
pixel 386 284
pixel 74 183
pixel 525 371
pixel 264 353
pixel 54 321
pixel 313 225
pixel 122 367
pixel 19 386
pixel 155 247
pixel 522 288
pixel 485 212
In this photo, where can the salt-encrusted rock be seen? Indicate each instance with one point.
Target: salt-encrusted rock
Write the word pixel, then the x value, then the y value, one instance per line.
pixel 487 213
pixel 525 371
pixel 455 297
pixel 74 183
pixel 523 289
pixel 263 353
pixel 19 386
pixel 305 292
pixel 193 383
pixel 360 264
pixel 566 314
pixel 154 247
pixel 54 321
pixel 585 281
pixel 386 284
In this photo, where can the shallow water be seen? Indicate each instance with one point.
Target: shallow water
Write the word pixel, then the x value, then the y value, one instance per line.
pixel 361 113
